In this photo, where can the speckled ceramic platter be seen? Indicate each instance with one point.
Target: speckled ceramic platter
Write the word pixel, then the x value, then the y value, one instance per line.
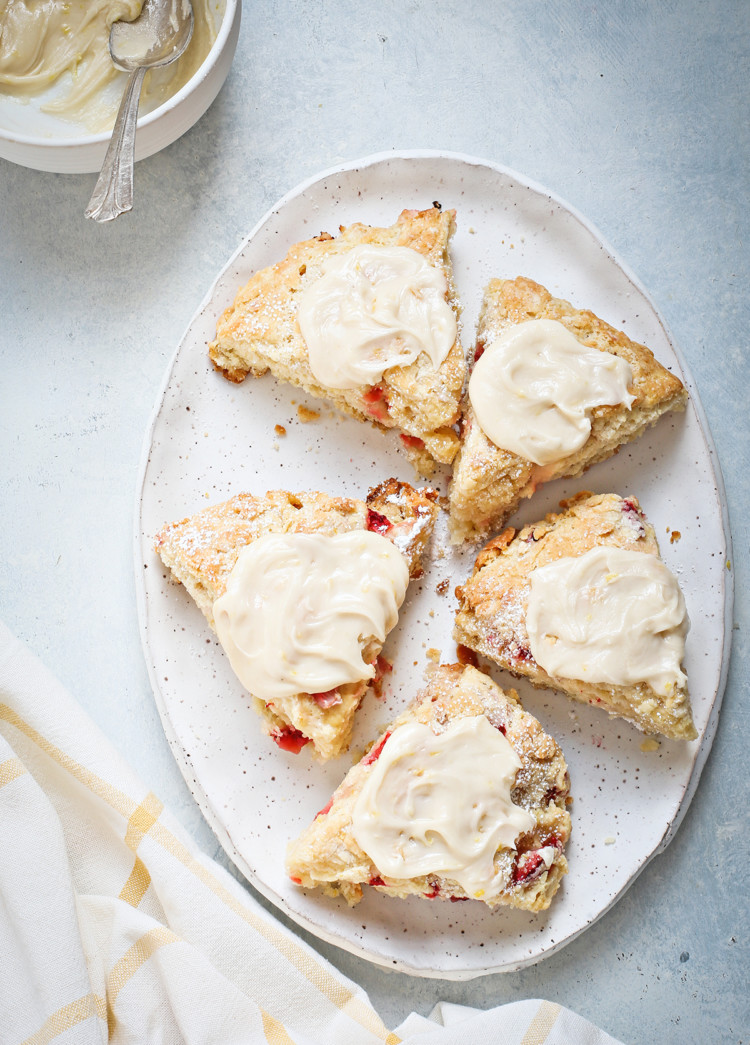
pixel 209 439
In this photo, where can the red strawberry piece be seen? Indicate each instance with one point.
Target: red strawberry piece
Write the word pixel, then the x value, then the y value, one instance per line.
pixel 289 739
pixel 328 699
pixel 382 666
pixel 634 515
pixel 375 753
pixel 376 403
pixel 528 867
pixel 378 523
pixel 521 653
pixel 326 809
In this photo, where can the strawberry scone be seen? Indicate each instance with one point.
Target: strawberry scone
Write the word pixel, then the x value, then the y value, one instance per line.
pixel 581 602
pixel 302 590
pixel 463 797
pixel 553 389
pixel 366 320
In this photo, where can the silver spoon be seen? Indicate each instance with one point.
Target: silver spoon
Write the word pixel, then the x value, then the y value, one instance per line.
pixel 158 36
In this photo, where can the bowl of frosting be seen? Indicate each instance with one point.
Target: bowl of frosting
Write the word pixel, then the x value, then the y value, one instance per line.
pixel 59 90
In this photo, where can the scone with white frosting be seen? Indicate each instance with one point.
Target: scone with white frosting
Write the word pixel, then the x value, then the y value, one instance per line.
pixel 302 590
pixel 582 602
pixel 553 390
pixel 463 797
pixel 365 320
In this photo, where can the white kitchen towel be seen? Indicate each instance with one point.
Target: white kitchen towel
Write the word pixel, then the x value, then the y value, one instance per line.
pixel 114 927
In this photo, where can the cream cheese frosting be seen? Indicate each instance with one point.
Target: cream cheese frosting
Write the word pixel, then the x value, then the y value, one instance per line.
pixel 611 615
pixel 442 804
pixel 535 386
pixel 46 42
pixel 300 609
pixel 372 308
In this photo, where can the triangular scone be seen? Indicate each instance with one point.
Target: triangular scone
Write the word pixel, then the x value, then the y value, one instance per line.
pixel 261 332
pixel 525 873
pixel 202 550
pixel 494 602
pixel 488 482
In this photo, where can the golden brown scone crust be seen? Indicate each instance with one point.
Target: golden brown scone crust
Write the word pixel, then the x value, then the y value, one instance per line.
pixel 201 551
pixel 489 483
pixel 328 856
pixel 260 332
pixel 493 602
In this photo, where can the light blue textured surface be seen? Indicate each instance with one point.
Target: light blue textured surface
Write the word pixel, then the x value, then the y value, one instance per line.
pixel 636 113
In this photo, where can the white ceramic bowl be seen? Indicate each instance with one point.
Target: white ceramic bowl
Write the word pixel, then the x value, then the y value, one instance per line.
pixel 35 139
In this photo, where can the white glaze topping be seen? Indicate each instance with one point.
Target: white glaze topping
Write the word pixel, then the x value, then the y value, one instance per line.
pixel 611 615
pixel 441 804
pixel 371 309
pixel 299 609
pixel 534 388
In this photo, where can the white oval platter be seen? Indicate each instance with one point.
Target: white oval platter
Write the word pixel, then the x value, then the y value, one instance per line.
pixel 209 439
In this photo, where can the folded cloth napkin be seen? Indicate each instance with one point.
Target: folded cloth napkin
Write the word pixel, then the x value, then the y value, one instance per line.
pixel 114 927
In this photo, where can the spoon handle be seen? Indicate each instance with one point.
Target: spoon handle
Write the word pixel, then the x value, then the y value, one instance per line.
pixel 113 192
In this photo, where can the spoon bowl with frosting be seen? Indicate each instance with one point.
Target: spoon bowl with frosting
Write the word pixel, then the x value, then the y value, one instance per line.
pixel 59 90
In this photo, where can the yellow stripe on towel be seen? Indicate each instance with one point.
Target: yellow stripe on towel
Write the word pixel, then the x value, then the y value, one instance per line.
pixel 542 1023
pixel 132 960
pixel 67 1017
pixel 140 822
pixel 10 770
pixel 331 988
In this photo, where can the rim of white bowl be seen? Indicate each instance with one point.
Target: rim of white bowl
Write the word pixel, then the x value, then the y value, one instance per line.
pixel 230 11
